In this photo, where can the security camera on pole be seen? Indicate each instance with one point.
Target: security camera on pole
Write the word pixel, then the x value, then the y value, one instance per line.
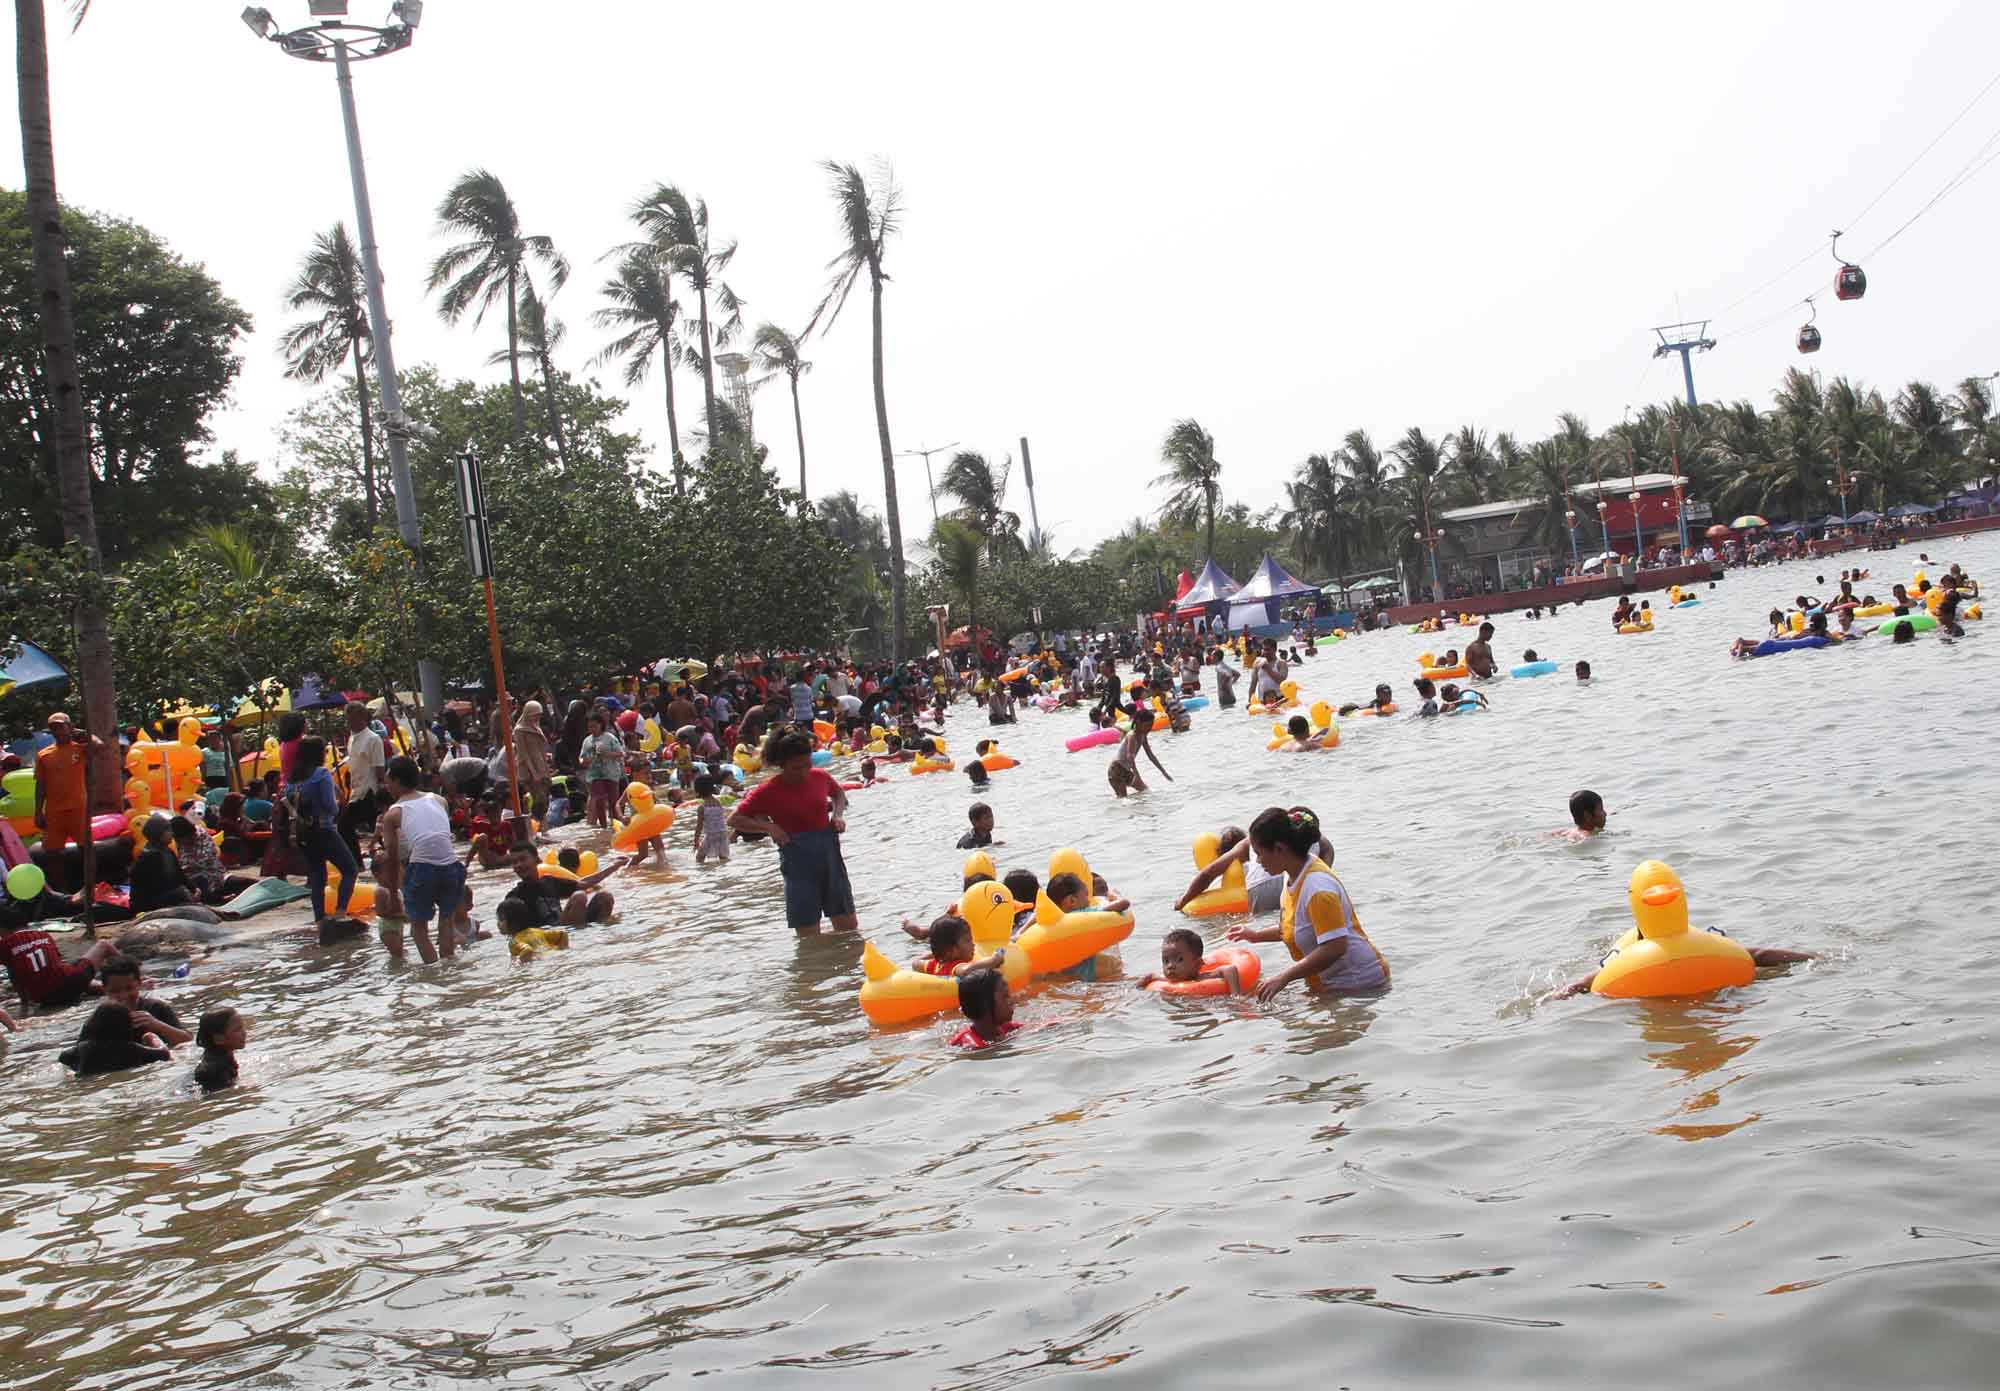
pixel 338 40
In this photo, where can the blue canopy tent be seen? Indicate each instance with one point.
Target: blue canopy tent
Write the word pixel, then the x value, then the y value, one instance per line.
pixel 1911 509
pixel 1864 518
pixel 1257 601
pixel 1210 595
pixel 31 666
pixel 1785 528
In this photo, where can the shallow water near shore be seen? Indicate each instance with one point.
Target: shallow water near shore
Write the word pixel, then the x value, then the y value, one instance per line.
pixel 679 1148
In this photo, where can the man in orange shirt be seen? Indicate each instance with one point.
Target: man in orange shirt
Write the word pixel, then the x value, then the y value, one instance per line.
pixel 62 805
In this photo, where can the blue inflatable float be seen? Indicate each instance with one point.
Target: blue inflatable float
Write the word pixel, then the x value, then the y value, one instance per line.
pixel 1541 668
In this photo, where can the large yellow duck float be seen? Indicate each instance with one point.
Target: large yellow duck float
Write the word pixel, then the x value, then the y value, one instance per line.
pixel 1232 895
pixel 892 994
pixel 1056 940
pixel 1661 954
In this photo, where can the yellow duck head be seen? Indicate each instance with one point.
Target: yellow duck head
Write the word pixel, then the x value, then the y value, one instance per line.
pixel 1207 846
pixel 979 862
pixel 1658 901
pixel 989 910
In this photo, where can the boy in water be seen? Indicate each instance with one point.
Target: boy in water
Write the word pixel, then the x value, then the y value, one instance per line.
pixel 1180 962
pixel 1124 770
pixel 981 834
pixel 1427 691
pixel 1583 673
pixel 1586 809
pixel 1301 740
pixel 985 1001
pixel 1071 895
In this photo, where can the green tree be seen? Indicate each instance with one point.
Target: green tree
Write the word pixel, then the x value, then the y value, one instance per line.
pixel 154 350
pixel 1193 477
pixel 330 288
pixel 642 310
pixel 1473 469
pixel 492 263
pixel 675 229
pixel 1316 516
pixel 778 355
pixel 868 218
pixel 957 552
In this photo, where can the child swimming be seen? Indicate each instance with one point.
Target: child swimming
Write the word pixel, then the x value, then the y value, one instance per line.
pixel 1383 702
pixel 1427 691
pixel 983 998
pixel 1070 894
pixel 1301 740
pixel 1317 922
pixel 1124 770
pixel 981 834
pixel 1180 961
pixel 221 1035
pixel 1586 809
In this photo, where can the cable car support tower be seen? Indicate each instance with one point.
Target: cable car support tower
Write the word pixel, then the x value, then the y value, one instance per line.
pixel 1684 339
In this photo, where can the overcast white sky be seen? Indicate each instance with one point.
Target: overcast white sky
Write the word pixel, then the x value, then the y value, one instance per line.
pixel 1286 221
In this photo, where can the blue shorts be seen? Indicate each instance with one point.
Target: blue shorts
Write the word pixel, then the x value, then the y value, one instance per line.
pixel 432 890
pixel 815 879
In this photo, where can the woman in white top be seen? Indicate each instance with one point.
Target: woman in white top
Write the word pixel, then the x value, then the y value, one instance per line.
pixel 421 876
pixel 1316 919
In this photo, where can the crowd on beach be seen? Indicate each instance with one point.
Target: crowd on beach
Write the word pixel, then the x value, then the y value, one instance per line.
pixel 418 802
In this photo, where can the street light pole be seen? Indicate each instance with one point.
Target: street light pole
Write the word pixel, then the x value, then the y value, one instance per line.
pixel 334 41
pixel 931 482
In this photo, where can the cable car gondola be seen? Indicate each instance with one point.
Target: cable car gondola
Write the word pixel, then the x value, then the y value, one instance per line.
pixel 1851 282
pixel 1808 335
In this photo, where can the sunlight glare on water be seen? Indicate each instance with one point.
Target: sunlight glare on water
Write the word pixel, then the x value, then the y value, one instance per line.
pixel 679 1148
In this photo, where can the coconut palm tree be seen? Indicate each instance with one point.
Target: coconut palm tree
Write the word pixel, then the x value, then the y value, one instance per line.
pixel 1926 441
pixel 979 490
pixel 330 287
pixel 642 310
pixel 868 218
pixel 1473 467
pixel 1193 479
pixel 1418 489
pixel 1316 516
pixel 1368 478
pixel 1544 474
pixel 777 352
pixel 676 230
pixel 492 263
pixel 542 335
pixel 1978 427
pixel 63 385
pixel 864 587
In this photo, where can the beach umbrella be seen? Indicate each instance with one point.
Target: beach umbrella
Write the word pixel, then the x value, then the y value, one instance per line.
pixel 1718 532
pixel 312 696
pixel 1864 518
pixel 31 667
pixel 1597 562
pixel 403 698
pixel 278 701
pixel 1748 520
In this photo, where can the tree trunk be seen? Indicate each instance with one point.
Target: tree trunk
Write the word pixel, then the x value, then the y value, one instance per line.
pixel 95 673
pixel 514 360
pixel 367 441
pixel 707 371
pixel 799 424
pixel 673 423
pixel 898 579
pixel 1209 499
pixel 555 413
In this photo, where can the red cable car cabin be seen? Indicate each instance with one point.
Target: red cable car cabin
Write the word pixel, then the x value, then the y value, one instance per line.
pixel 1808 339
pixel 1850 283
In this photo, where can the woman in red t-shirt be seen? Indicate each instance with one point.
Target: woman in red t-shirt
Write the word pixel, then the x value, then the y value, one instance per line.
pixel 803 811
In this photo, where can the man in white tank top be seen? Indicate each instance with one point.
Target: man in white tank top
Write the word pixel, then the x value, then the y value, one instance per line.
pixel 420 873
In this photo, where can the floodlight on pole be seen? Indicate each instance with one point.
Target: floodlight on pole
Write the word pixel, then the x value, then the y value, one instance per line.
pixel 342 42
pixel 925 454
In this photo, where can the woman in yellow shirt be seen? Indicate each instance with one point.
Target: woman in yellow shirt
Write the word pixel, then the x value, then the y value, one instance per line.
pixel 1316 918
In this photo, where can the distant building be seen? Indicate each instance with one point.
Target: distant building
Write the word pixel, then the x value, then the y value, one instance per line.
pixel 1491 544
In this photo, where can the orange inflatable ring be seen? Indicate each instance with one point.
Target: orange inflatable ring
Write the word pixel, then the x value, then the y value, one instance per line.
pixel 1248 968
pixel 1445 673
pixel 997 761
pixel 1015 675
pixel 1388 709
pixel 643 827
pixel 824 731
pixel 557 872
pixel 930 765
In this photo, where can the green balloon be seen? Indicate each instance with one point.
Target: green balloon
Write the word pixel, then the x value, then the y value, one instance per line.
pixel 26 881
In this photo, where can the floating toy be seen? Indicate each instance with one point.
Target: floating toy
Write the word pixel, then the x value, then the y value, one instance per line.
pixel 1919 622
pixel 996 761
pixel 876 746
pixel 1197 702
pixel 748 761
pixel 1661 954
pixel 1057 940
pixel 1248 968
pixel 1445 673
pixel 897 995
pixel 1015 675
pixel 1875 611
pixel 1686 603
pixel 822 757
pixel 1288 698
pixel 921 764
pixel 360 905
pixel 535 941
pixel 824 731
pixel 1092 740
pixel 108 826
pixel 1629 628
pixel 1232 895
pixel 1770 646
pixel 586 865
pixel 642 827
pixel 1541 668
pixel 1379 710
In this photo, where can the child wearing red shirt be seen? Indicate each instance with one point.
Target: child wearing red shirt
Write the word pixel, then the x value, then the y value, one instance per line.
pixel 984 999
pixel 803 810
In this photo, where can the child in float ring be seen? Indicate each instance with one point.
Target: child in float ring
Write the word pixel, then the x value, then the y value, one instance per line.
pixel 1317 922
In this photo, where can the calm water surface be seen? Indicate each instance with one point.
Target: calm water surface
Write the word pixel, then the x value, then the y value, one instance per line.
pixel 680 1148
